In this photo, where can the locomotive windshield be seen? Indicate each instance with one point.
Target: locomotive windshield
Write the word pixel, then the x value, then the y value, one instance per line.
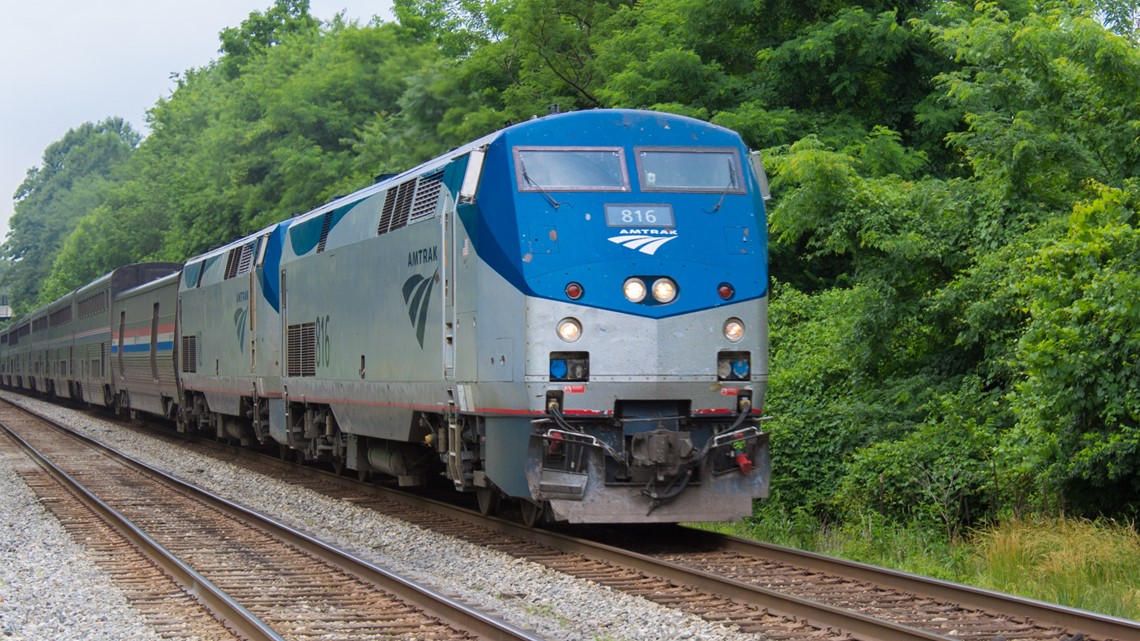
pixel 711 169
pixel 570 169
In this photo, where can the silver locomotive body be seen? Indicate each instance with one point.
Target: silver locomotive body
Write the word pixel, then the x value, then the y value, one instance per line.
pixel 570 312
pixel 422 325
pixel 229 339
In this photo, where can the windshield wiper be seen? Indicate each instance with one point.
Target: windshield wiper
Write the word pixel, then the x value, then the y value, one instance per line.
pixel 731 184
pixel 531 181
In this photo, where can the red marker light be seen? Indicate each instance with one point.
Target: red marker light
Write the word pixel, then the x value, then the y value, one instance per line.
pixel 726 291
pixel 574 291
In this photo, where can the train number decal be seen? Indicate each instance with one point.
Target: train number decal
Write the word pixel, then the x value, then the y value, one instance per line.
pixel 323 351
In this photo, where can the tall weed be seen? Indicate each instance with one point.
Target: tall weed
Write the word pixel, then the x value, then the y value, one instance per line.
pixel 1093 565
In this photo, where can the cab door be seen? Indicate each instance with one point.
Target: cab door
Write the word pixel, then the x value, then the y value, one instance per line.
pixel 459 273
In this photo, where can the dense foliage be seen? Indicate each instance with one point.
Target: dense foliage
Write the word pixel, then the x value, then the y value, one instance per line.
pixel 955 227
pixel 77 173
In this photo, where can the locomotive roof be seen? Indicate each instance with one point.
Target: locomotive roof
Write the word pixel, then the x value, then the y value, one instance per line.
pixel 552 122
pixel 221 249
pixel 149 285
pixel 66 299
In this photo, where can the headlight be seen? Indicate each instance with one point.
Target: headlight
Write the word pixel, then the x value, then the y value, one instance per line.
pixel 569 330
pixel 664 290
pixel 734 329
pixel 634 290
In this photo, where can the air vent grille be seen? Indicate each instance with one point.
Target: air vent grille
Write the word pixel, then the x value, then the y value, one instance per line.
pixel 410 200
pixel 326 224
pixel 190 354
pixel 427 194
pixel 239 261
pixel 302 349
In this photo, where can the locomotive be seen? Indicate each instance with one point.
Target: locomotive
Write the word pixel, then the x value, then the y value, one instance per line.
pixel 570 312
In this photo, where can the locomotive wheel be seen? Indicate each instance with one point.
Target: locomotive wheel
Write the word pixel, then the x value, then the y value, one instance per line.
pixel 532 512
pixel 488 500
pixel 338 465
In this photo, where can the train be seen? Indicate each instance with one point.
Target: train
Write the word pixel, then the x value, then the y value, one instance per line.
pixel 570 313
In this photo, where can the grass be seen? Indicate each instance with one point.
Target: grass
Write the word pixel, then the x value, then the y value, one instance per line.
pixel 1093 565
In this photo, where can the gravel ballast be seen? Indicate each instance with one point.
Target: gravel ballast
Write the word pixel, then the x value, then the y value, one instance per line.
pixel 553 605
pixel 49 589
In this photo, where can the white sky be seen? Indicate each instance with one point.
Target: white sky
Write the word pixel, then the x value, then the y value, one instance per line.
pixel 67 62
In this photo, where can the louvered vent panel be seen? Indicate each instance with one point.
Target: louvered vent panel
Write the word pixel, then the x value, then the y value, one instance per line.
pixel 427 194
pixel 397 205
pixel 232 260
pixel 302 348
pixel 386 213
pixel 239 261
pixel 190 354
pixel 403 205
pixel 245 262
pixel 325 225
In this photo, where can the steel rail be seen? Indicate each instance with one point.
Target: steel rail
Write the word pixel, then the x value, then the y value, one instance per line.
pixel 1075 620
pixel 817 614
pixel 1093 623
pixel 232 613
pixel 425 598
pixel 1072 619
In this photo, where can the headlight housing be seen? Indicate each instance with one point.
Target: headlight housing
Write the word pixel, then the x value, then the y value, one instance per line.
pixel 634 290
pixel 664 290
pixel 734 330
pixel 569 329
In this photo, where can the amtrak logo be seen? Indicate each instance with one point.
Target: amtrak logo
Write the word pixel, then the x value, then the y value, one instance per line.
pixel 417 296
pixel 646 241
pixel 423 256
pixel 239 325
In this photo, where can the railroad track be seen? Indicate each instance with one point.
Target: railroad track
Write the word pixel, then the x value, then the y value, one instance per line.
pixel 199 566
pixel 780 593
pixel 752 585
pixel 954 610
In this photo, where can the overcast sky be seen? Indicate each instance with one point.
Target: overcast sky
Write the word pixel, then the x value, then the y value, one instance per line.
pixel 67 62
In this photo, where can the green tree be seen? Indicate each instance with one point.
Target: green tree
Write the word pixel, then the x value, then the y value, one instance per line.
pixel 72 181
pixel 976 311
pixel 1081 352
pixel 458 26
pixel 1121 16
pixel 128 226
pixel 248 43
pixel 1049 103
pixel 951 234
pixel 237 153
